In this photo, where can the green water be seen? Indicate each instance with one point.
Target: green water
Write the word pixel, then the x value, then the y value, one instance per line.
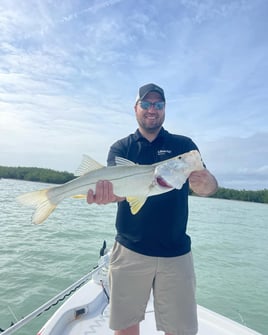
pixel 230 247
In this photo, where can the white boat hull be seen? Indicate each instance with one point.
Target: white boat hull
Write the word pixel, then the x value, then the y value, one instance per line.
pixel 87 312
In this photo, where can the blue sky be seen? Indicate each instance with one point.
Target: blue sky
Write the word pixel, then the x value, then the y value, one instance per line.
pixel 70 70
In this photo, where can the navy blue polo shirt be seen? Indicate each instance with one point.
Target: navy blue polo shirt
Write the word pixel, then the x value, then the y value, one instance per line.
pixel 159 228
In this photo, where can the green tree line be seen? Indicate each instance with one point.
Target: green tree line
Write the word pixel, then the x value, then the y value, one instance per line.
pixel 35 174
pixel 57 177
pixel 243 195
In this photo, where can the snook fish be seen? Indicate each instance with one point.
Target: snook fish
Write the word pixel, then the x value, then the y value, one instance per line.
pixel 130 180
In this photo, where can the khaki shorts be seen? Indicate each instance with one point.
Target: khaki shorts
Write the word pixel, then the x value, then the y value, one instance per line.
pixel 132 277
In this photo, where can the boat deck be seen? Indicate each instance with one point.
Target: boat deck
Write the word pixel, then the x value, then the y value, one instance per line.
pixel 210 323
pixel 87 312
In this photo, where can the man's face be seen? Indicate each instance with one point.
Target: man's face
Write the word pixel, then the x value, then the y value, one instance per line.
pixel 150 117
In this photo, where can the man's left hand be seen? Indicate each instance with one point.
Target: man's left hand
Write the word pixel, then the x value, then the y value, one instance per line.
pixel 203 183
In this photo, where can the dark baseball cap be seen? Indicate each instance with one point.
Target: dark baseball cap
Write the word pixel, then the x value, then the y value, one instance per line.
pixel 145 89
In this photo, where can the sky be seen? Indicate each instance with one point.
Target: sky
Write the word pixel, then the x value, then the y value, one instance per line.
pixel 70 72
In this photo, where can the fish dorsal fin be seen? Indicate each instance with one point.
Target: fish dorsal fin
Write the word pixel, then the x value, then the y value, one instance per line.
pixel 88 164
pixel 123 161
pixel 136 203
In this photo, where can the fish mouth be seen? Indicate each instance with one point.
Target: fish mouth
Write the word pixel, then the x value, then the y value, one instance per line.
pixel 162 182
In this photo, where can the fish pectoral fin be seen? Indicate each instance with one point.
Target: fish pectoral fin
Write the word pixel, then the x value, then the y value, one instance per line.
pixel 79 196
pixel 136 203
pixel 88 164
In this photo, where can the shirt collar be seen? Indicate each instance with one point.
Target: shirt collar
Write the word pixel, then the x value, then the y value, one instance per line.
pixel 138 136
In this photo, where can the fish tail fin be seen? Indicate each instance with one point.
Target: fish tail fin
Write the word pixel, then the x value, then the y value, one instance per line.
pixel 39 200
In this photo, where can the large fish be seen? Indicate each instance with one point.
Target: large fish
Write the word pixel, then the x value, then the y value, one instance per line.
pixel 130 180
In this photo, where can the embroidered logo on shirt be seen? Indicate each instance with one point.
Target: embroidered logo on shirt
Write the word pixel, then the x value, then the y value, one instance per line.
pixel 163 152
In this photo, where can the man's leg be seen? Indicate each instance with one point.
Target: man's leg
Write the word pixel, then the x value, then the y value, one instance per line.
pixel 131 277
pixel 174 293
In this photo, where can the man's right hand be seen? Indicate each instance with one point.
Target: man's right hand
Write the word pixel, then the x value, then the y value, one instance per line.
pixel 103 194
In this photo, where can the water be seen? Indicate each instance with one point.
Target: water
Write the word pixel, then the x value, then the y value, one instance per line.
pixel 230 247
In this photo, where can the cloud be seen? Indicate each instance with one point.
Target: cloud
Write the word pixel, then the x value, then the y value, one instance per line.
pixel 69 74
pixel 237 161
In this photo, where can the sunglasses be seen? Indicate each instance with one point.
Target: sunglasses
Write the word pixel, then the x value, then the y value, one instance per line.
pixel 158 105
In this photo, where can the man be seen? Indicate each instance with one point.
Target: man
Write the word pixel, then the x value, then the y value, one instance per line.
pixel 152 250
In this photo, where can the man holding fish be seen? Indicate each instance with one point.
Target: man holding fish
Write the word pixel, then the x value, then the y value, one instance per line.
pixel 152 250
